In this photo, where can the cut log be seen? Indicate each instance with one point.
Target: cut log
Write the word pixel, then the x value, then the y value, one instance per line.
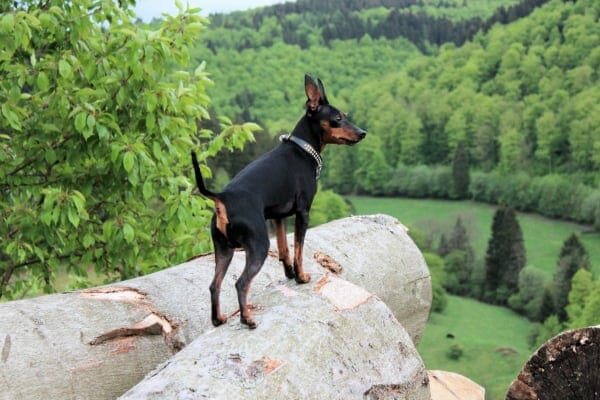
pixel 326 340
pixel 565 367
pixel 401 279
pixel 98 343
pixel 446 385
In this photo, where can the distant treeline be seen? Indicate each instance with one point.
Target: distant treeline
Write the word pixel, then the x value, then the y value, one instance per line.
pixel 332 20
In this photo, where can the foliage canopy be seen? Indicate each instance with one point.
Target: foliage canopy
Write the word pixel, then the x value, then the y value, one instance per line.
pixel 97 120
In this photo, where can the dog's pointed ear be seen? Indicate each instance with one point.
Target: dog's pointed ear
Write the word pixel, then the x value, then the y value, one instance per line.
pixel 322 90
pixel 313 93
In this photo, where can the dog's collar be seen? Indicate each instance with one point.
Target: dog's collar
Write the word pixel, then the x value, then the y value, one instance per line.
pixel 304 145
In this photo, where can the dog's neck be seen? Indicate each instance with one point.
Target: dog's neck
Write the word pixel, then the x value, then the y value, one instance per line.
pixel 309 130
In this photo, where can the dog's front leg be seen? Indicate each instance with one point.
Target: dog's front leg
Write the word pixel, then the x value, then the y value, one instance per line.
pixel 299 232
pixel 282 248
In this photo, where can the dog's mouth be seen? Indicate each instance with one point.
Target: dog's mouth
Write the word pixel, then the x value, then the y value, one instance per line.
pixel 350 142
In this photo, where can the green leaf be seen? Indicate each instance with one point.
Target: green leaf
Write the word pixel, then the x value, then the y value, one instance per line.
pixel 128 161
pixel 78 201
pixel 150 122
pixel 64 69
pixel 128 233
pixel 91 121
pixel 50 156
pixel 103 132
pixel 42 81
pixel 151 101
pixel 73 216
pixel 11 117
pixel 80 122
pixel 7 23
pixel 147 190
pixel 88 241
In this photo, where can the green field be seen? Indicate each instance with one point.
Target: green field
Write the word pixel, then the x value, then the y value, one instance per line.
pixel 543 237
pixel 493 338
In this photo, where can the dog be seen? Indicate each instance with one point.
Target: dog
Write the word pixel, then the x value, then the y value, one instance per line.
pixel 279 184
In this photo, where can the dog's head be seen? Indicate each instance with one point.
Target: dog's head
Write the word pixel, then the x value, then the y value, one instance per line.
pixel 336 128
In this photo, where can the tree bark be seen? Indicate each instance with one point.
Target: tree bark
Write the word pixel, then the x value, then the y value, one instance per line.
pixel 565 367
pixel 98 343
pixel 326 340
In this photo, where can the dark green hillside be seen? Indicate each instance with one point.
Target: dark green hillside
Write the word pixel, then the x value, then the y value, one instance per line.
pixel 256 56
pixel 310 22
pixel 523 97
pixel 266 84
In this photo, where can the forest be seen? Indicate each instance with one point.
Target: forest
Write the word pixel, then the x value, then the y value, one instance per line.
pixel 521 98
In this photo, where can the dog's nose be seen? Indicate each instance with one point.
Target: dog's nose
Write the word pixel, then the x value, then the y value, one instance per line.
pixel 362 133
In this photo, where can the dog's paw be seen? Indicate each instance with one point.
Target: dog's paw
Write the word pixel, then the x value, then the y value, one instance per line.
pixel 303 278
pixel 218 321
pixel 249 322
pixel 289 271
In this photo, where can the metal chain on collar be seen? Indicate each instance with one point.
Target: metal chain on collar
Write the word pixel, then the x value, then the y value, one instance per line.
pixel 304 145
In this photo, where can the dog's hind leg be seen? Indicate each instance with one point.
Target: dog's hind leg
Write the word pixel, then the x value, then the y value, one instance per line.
pixel 256 253
pixel 283 249
pixel 223 256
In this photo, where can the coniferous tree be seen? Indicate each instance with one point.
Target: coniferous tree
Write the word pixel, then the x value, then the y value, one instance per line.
pixel 460 173
pixel 505 257
pixel 460 261
pixel 573 256
pixel 459 238
pixel 547 303
pixel 444 246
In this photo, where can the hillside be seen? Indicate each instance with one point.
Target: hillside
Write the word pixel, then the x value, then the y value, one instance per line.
pixel 522 97
pixel 256 56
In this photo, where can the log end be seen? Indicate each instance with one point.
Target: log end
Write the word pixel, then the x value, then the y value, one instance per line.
pixel 565 367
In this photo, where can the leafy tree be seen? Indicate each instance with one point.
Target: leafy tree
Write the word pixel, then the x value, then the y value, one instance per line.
pixel 459 266
pixel 328 206
pixel 505 257
pixel 531 292
pixel 591 312
pixel 572 257
pixel 373 172
pixel 582 285
pixel 547 307
pixel 98 117
pixel 460 173
pixel 550 328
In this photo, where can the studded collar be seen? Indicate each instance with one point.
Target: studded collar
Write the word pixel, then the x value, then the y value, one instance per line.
pixel 304 145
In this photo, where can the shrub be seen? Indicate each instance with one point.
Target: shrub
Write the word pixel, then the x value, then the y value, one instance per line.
pixel 590 209
pixel 421 181
pixel 328 206
pixel 455 351
pixel 438 281
pixel 459 266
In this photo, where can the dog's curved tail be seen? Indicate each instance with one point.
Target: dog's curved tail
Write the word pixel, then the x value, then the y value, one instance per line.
pixel 199 181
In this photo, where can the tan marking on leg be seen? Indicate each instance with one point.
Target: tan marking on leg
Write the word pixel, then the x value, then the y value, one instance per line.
pixel 282 245
pixel 222 219
pixel 301 276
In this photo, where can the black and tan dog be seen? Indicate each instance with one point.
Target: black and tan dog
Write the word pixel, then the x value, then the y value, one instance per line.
pixel 281 183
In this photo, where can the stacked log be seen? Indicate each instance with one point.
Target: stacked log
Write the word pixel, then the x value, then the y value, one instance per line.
pixel 98 343
pixel 565 367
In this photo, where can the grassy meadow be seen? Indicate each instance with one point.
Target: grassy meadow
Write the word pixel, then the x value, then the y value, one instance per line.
pixel 493 339
pixel 543 237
